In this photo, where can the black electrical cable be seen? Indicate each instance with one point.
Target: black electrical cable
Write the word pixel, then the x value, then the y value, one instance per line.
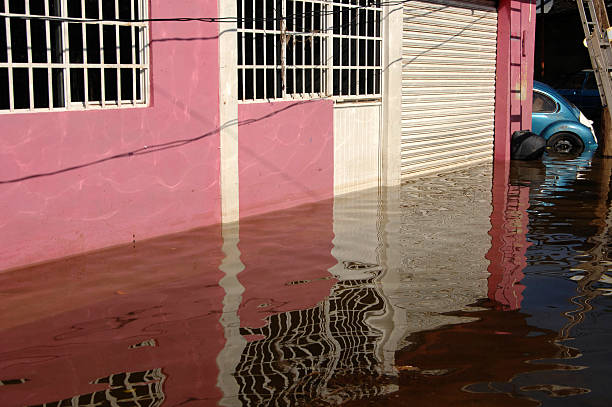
pixel 341 7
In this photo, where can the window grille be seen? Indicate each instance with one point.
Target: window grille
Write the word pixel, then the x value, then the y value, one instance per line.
pixel 57 55
pixel 291 49
pixel 356 48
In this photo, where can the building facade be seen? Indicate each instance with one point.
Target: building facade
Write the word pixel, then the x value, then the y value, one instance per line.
pixel 127 120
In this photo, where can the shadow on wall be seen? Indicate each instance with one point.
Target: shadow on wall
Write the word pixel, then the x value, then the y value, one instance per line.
pixel 154 147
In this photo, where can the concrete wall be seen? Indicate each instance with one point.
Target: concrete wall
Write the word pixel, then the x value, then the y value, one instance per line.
pixel 197 157
pixel 356 147
pixel 91 200
pixel 285 154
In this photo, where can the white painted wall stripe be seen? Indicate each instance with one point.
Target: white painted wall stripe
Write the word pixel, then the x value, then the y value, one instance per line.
pixel 228 113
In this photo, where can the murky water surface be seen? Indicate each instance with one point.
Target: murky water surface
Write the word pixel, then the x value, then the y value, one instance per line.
pixel 462 289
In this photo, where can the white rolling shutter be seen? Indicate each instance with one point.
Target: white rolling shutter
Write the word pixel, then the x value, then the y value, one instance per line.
pixel 448 84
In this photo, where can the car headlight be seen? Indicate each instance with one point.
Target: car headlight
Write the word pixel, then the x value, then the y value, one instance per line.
pixel 589 124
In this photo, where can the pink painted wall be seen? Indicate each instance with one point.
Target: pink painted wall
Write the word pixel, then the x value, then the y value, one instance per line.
pixel 121 199
pixel 285 154
pixel 515 59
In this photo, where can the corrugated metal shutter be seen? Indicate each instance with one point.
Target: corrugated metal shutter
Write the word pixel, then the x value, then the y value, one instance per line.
pixel 448 84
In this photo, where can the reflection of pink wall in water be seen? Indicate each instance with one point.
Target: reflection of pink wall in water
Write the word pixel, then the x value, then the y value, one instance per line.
pixel 286 256
pixel 286 154
pixel 515 59
pixel 148 195
pixel 69 322
pixel 509 243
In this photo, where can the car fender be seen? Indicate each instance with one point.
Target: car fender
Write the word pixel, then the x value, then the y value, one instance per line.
pixel 577 128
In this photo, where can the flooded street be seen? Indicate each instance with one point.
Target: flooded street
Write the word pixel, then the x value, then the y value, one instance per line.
pixel 460 289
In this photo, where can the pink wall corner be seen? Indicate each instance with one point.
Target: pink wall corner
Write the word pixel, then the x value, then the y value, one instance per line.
pixel 285 154
pixel 96 192
pixel 502 83
pixel 528 28
pixel 514 73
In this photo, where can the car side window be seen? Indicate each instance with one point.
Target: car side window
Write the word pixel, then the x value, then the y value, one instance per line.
pixel 543 104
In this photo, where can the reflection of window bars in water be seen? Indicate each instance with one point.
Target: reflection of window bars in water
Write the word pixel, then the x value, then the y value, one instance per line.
pixel 302 49
pixel 10 382
pixel 47 64
pixel 138 389
pixel 326 353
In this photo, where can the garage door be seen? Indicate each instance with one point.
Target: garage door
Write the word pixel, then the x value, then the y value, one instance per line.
pixel 448 84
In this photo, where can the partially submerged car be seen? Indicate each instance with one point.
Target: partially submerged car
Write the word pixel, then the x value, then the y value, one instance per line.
pixel 565 128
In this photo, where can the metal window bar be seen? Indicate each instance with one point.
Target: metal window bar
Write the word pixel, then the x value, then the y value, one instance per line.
pixel 358 42
pixel 254 45
pixel 9 60
pixel 329 29
pixel 303 46
pixel 29 52
pixel 350 35
pixel 291 42
pixel 65 55
pixel 84 57
pixel 264 49
pixel 349 58
pixel 118 55
pixel 133 60
pixel 48 45
pixel 102 70
pixel 243 43
pixel 143 39
pixel 366 50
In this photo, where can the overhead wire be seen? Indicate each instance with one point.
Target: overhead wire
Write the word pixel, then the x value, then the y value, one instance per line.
pixel 336 9
pixel 341 7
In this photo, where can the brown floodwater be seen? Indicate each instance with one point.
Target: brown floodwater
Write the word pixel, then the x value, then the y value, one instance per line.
pixel 487 286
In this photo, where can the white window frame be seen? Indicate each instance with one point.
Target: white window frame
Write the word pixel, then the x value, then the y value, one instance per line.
pixel 288 38
pixel 335 33
pixel 327 35
pixel 140 69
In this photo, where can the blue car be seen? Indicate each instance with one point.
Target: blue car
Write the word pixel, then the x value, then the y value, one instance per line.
pixel 566 130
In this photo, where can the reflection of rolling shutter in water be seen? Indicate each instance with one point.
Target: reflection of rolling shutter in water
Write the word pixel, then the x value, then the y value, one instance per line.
pixel 448 84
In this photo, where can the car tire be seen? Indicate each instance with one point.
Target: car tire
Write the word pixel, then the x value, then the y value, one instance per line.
pixel 565 144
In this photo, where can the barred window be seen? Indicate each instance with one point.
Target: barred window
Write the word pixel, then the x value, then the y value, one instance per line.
pixel 72 54
pixel 356 48
pixel 291 49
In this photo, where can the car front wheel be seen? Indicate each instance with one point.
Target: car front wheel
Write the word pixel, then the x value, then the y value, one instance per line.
pixel 565 143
